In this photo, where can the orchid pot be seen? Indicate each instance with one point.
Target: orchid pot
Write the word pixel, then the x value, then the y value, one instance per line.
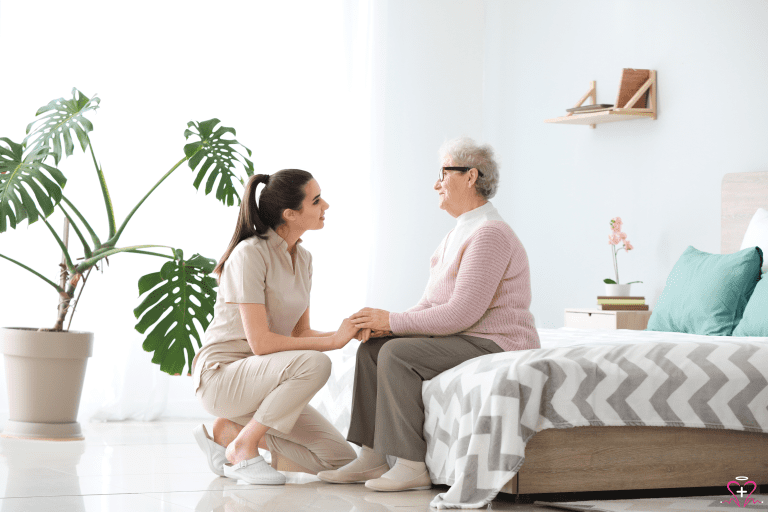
pixel 613 288
pixel 617 290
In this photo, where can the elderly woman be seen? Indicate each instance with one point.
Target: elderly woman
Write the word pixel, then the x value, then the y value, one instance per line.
pixel 476 303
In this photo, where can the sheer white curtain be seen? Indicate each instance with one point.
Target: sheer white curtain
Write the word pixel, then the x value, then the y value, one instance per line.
pixel 293 77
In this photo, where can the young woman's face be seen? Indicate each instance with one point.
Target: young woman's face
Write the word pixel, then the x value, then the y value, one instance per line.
pixel 312 214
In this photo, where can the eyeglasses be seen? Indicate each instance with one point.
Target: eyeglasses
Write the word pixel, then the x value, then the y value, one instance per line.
pixel 441 176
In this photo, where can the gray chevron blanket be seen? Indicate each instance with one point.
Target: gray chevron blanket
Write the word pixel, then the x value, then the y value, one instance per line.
pixel 480 415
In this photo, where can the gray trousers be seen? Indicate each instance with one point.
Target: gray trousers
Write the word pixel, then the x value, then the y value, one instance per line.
pixel 387 408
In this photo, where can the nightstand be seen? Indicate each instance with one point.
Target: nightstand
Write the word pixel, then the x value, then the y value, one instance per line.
pixel 599 319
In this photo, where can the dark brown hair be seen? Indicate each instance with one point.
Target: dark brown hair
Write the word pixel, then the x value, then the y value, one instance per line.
pixel 282 191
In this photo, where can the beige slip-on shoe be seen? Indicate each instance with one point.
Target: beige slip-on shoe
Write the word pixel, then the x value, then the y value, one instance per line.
pixel 339 476
pixel 420 483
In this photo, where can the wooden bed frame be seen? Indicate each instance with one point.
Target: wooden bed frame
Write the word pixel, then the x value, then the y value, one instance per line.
pixel 586 459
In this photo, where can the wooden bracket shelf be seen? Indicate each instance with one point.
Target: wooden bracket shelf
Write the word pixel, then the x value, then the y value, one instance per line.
pixel 625 113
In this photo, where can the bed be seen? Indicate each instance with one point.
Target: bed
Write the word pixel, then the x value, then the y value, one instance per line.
pixel 498 423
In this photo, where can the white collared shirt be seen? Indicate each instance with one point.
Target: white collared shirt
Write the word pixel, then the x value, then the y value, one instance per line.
pixel 466 224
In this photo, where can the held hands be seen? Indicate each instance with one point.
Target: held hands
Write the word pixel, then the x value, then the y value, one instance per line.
pixel 377 320
pixel 366 334
pixel 345 332
pixel 363 335
pixel 365 324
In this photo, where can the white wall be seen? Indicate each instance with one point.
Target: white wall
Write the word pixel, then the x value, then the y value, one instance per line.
pixel 429 88
pixel 562 184
pixel 662 177
pixel 291 77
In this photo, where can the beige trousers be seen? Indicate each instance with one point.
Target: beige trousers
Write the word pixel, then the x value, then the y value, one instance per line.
pixel 275 390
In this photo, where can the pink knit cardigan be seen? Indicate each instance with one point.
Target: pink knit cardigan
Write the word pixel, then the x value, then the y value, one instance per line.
pixel 485 292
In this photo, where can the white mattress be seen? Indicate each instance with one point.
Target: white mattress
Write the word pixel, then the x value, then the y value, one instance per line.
pixel 569 336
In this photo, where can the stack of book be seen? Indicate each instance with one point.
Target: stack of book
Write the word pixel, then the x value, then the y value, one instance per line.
pixel 588 109
pixel 621 303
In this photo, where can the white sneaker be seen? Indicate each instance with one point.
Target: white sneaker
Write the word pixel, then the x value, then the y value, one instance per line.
pixel 254 471
pixel 215 453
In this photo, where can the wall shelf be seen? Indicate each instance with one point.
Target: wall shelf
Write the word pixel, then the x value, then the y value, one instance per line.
pixel 625 113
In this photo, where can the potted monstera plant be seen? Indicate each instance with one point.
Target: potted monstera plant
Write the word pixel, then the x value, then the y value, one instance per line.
pixel 45 367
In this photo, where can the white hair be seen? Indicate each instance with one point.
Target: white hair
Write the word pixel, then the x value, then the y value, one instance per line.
pixel 465 152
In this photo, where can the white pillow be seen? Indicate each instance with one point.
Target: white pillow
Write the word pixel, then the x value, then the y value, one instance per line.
pixel 757 235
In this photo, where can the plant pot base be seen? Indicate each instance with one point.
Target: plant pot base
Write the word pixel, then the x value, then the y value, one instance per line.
pixel 43 431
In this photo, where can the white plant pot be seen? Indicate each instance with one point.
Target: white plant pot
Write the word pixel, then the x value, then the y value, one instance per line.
pixel 617 290
pixel 44 377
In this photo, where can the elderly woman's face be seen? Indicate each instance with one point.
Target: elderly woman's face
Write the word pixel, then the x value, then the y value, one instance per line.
pixel 452 189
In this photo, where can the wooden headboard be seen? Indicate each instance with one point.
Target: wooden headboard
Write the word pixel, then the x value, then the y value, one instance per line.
pixel 742 194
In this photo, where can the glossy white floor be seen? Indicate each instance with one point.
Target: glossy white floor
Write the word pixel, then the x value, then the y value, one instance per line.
pixel 136 466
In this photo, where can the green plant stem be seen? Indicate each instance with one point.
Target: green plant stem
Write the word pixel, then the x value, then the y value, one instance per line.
pixel 101 250
pixel 58 288
pixel 69 293
pixel 94 237
pixel 151 254
pixel 86 247
pixel 115 236
pixel 104 191
pixel 88 263
pixel 77 300
pixel 615 263
pixel 70 266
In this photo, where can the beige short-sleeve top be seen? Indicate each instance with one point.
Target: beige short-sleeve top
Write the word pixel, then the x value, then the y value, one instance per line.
pixel 256 272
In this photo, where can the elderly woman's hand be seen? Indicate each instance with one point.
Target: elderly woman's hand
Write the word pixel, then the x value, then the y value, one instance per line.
pixel 370 318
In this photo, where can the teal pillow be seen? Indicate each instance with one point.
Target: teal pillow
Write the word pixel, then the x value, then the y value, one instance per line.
pixel 755 319
pixel 707 293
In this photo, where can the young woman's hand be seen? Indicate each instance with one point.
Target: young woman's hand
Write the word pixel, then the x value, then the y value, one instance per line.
pixel 345 332
pixel 364 335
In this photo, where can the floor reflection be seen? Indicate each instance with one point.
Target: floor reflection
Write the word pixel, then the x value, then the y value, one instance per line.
pixel 26 475
pixel 302 492
pixel 157 467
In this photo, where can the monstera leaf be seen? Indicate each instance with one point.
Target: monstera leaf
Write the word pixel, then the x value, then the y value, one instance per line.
pixel 48 133
pixel 183 291
pixel 219 155
pixel 17 178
